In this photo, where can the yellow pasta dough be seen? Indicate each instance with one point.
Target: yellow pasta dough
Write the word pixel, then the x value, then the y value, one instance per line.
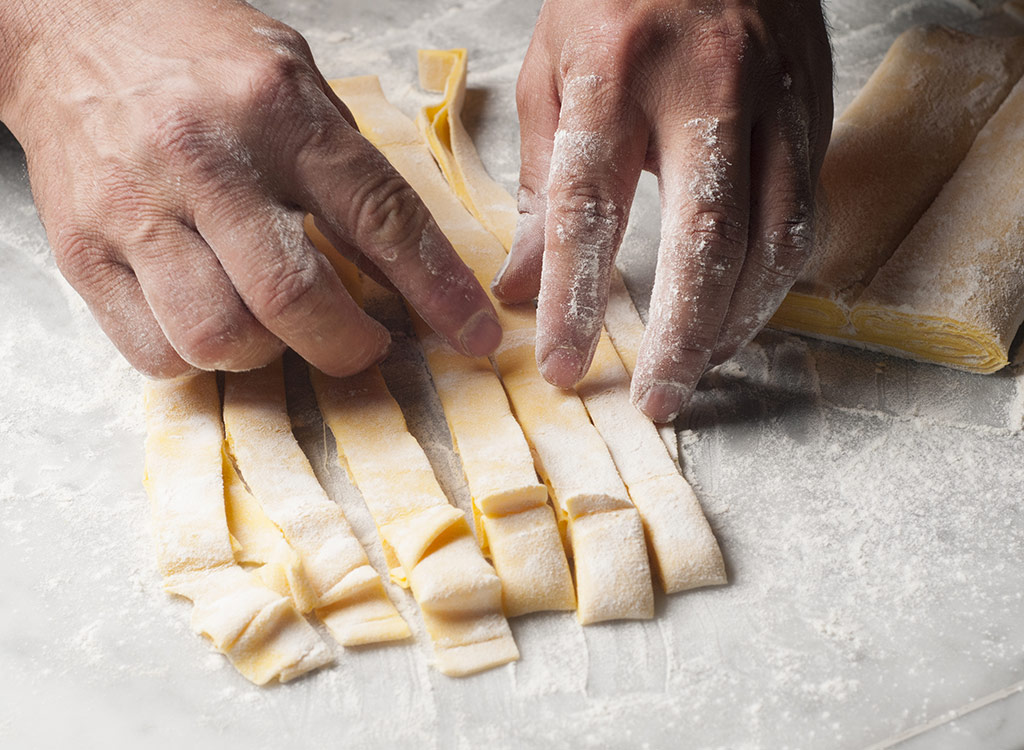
pixel 427 538
pixel 612 570
pixel 350 597
pixel 891 153
pixel 258 629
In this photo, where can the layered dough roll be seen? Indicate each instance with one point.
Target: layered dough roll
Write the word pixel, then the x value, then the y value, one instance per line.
pixel 891 152
pixel 349 595
pixel 612 571
pixel 954 290
pixel 257 628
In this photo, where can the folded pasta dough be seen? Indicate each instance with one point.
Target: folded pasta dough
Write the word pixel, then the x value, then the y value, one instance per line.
pixel 891 152
pixel 258 542
pixel 458 593
pixel 954 290
pixel 682 544
pixel 350 597
pixel 258 629
pixel 612 571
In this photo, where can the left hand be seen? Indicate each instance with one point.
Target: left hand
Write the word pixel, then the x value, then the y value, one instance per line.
pixel 730 104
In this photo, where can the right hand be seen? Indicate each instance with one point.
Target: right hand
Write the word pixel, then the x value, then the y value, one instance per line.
pixel 174 149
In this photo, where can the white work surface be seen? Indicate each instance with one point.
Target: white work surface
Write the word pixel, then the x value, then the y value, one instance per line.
pixel 871 512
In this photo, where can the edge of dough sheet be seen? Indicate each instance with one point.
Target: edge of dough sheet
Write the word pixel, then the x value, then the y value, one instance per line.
pixel 612 569
pixel 682 545
pixel 936 88
pixel 259 630
pixel 954 289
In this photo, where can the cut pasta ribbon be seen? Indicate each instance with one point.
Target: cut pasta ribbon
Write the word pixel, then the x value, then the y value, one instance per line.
pixel 257 628
pixel 682 544
pixel 349 595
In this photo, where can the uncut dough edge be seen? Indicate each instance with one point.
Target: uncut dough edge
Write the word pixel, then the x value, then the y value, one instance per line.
pixel 259 630
pixel 590 497
pixel 683 546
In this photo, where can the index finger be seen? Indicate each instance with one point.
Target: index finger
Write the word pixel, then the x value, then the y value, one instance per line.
pixel 363 201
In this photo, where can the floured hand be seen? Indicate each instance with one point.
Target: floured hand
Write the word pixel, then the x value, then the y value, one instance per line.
pixel 174 148
pixel 730 104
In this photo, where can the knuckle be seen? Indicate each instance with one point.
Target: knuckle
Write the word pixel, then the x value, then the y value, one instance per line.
pixel 587 216
pixel 80 255
pixel 719 232
pixel 275 79
pixel 288 293
pixel 177 132
pixel 389 217
pixel 785 247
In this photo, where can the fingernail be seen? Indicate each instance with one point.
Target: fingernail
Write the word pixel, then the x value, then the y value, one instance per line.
pixel 496 281
pixel 661 402
pixel 481 335
pixel 563 366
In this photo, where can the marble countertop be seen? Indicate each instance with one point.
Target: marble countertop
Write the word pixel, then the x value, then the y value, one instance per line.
pixel 870 511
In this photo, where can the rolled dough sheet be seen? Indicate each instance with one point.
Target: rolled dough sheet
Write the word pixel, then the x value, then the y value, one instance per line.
pixel 350 596
pixel 682 545
pixel 954 290
pixel 612 571
pixel 891 152
pixel 458 592
pixel 258 629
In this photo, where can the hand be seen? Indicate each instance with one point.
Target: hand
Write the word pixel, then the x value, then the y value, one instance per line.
pixel 174 148
pixel 730 104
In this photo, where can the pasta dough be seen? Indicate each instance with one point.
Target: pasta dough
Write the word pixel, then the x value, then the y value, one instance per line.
pixel 955 287
pixel 681 541
pixel 350 597
pixel 426 537
pixel 510 507
pixel 892 150
pixel 612 571
pixel 259 630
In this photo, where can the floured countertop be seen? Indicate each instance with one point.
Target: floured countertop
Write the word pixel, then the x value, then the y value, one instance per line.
pixel 871 511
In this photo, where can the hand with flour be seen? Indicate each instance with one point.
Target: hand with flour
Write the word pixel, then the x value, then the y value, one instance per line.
pixel 729 102
pixel 174 148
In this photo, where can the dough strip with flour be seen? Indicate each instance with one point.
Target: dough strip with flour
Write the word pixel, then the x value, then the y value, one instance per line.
pixel 612 571
pixel 514 521
pixel 349 594
pixel 258 629
pixel 426 538
pixel 681 541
